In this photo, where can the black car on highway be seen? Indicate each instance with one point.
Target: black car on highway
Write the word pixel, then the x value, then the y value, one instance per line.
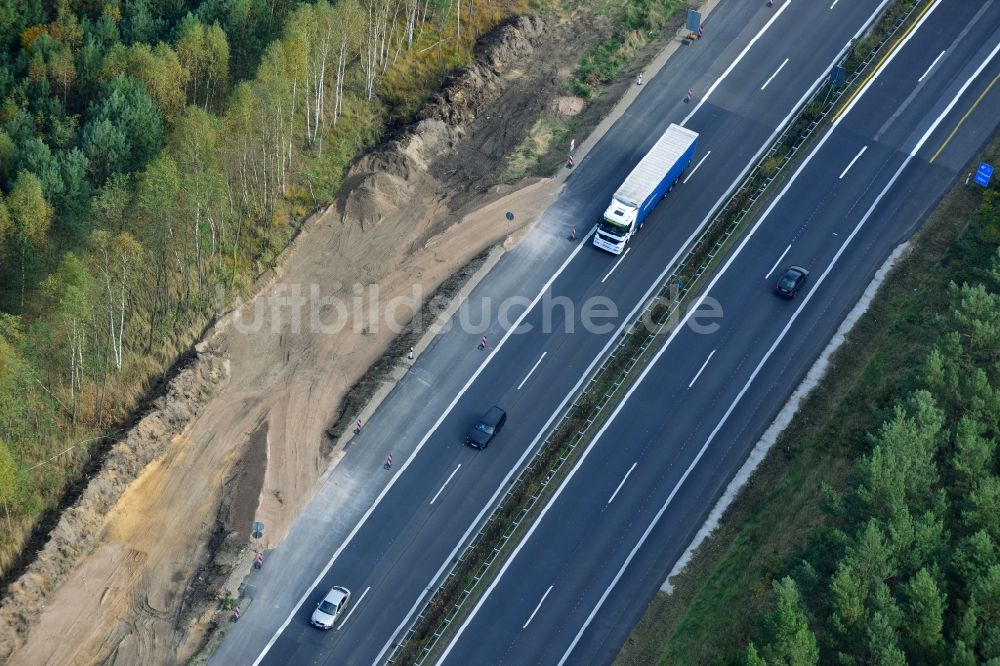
pixel 487 428
pixel 790 283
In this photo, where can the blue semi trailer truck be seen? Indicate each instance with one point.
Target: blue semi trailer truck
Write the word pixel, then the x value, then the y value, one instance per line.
pixel 650 180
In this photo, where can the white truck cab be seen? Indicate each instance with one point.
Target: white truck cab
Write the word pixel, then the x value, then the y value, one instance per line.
pixel 616 226
pixel 646 184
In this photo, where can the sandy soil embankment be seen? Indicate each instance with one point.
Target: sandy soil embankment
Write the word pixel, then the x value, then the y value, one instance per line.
pixel 241 436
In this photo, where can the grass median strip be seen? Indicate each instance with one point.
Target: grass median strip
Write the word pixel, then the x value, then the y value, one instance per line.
pixel 531 489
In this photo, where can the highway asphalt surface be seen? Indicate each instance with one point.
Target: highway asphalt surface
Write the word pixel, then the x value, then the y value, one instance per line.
pixel 440 489
pixel 693 419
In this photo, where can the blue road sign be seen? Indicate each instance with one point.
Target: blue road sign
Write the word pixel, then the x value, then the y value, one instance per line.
pixel 693 21
pixel 837 76
pixel 983 174
pixel 510 216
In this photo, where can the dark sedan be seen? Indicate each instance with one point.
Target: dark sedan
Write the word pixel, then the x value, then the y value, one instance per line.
pixel 487 428
pixel 790 283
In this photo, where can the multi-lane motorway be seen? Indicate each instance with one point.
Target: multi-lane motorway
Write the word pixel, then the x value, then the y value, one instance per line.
pixel 618 523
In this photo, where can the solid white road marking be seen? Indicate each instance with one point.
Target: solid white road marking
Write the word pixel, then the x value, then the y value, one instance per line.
pixel 784 332
pixel 775 74
pixel 615 266
pixel 958 38
pixel 351 612
pixel 446 483
pixel 928 71
pixel 622 483
pixel 532 617
pixel 848 167
pixel 626 321
pixel 533 368
pixel 411 458
pixel 778 261
pixel 732 65
pixel 688 177
pixel 701 368
pixel 834 4
pixel 885 63
pixel 725 195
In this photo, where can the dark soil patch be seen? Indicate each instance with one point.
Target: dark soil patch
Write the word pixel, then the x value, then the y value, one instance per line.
pixel 479 159
pixel 233 521
pixel 242 504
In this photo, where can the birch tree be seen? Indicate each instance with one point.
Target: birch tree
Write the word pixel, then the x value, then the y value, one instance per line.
pixel 346 19
pixel 217 68
pixel 194 148
pixel 243 169
pixel 373 47
pixel 8 481
pixel 158 197
pixel 62 70
pixel 66 299
pixel 158 69
pixel 5 224
pixel 116 258
pixel 295 65
pixel 204 52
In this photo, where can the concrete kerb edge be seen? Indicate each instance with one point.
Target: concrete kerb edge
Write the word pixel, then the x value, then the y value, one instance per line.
pixel 425 340
pixel 224 318
pixel 813 377
pixel 785 416
pixel 596 135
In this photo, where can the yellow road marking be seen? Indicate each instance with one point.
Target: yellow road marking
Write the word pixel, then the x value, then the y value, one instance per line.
pixel 962 119
pixel 875 70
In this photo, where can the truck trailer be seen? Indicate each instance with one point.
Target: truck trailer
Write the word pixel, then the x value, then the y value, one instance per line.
pixel 651 179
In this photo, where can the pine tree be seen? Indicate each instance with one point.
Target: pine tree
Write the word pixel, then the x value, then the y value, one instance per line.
pixel 924 607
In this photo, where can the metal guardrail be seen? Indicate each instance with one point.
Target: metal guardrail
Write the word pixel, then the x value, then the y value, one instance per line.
pixel 675 292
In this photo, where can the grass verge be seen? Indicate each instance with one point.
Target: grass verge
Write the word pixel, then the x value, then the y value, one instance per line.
pixel 718 599
pixel 606 69
pixel 637 345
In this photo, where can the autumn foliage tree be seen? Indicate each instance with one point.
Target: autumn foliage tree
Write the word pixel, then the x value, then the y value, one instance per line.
pixel 156 154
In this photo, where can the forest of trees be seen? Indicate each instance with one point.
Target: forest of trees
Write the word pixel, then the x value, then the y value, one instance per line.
pixel 153 152
pixel 908 571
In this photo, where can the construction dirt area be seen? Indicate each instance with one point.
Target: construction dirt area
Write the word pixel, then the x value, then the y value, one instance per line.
pixel 135 569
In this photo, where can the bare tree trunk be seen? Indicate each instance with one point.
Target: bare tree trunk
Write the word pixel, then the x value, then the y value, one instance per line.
pixel 211 228
pixel 411 20
pixel 121 318
pixel 265 178
pixel 196 230
pixel 339 86
pixel 423 14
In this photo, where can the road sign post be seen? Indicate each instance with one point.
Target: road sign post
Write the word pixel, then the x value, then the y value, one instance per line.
pixel 983 174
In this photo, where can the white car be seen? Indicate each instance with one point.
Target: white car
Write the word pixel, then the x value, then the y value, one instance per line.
pixel 331 608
